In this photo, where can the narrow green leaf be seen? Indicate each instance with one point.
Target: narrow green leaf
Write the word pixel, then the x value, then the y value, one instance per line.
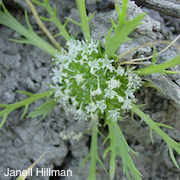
pixel 99 132
pixel 46 19
pixel 84 160
pixel 91 16
pixel 133 152
pixel 172 157
pixel 20 41
pixel 164 125
pixel 75 22
pixel 106 152
pixel 102 165
pixel 38 3
pixel 27 22
pixel 112 165
pixel 106 139
pixel 25 111
pixel 3 120
pixel 151 135
pixel 127 173
pixel 171 72
pixel 25 92
pixel 113 23
pixel 65 23
pixel 44 109
pixel 58 34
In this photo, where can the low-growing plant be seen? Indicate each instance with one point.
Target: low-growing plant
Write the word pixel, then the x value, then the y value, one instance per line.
pixel 89 82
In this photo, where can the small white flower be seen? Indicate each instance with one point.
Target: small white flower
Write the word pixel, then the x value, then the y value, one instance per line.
pixel 101 105
pixel 134 81
pixel 67 81
pixel 80 115
pixel 127 104
pixel 61 58
pixel 57 75
pixel 98 91
pixel 120 99
pixel 129 93
pixel 110 93
pixel 113 83
pixel 83 59
pixel 107 64
pixel 120 70
pixel 90 47
pixel 58 91
pixel 79 78
pixel 91 107
pixel 94 65
pixel 114 114
pixel 74 102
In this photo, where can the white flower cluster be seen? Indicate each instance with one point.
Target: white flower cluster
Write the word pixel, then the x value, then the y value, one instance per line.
pixel 86 83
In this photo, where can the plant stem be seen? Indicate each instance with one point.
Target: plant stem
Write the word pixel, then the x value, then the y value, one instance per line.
pixel 93 150
pixel 84 19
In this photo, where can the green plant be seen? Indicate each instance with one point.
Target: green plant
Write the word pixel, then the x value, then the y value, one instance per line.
pixel 88 82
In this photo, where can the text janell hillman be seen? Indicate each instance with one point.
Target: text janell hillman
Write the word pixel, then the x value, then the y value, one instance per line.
pixel 38 172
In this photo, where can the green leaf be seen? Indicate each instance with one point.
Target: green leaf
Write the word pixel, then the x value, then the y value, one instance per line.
pixel 164 125
pixel 84 160
pixel 26 102
pixel 43 110
pixel 171 72
pixel 46 19
pixel 118 145
pixel 25 92
pixel 27 22
pixel 121 30
pixel 106 152
pixel 172 144
pixel 30 37
pixel 38 3
pixel 159 68
pixel 25 111
pixel 151 135
pixel 75 22
pixel 101 164
pixel 3 120
pixel 172 157
pixel 53 18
